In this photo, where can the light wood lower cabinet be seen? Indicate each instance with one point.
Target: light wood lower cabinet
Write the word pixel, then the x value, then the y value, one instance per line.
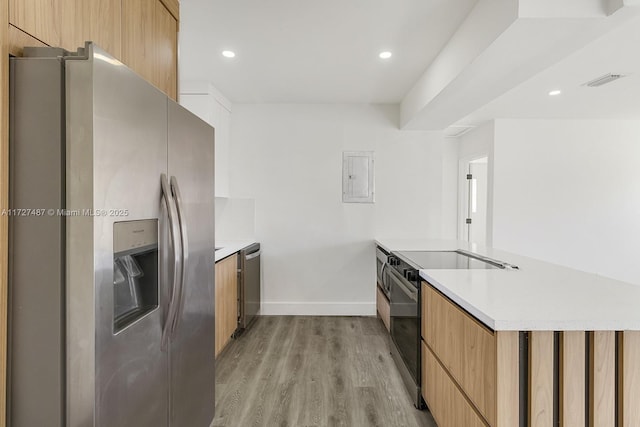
pixel 474 367
pixel 382 305
pixel 226 301
pixel 448 405
pixel 466 348
pixel 471 374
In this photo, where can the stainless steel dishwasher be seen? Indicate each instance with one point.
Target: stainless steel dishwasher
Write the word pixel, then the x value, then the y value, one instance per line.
pixel 249 285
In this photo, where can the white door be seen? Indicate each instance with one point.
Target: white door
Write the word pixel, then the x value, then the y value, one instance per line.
pixel 475 220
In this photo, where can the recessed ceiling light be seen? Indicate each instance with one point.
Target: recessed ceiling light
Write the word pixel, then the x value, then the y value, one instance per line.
pixel 385 55
pixel 228 54
pixel 555 92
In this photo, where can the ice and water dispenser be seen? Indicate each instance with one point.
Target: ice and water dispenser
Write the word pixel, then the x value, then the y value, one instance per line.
pixel 135 271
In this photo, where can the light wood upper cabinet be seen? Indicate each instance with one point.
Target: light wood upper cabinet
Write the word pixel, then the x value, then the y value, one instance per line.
pixel 143 34
pixel 41 19
pixel 166 55
pixel 149 43
pixel 137 36
pixel 226 301
pixel 96 20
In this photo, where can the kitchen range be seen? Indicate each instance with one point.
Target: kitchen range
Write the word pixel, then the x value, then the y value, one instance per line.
pixel 399 279
pixel 112 287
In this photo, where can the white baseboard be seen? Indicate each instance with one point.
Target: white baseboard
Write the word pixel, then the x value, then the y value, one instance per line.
pixel 318 308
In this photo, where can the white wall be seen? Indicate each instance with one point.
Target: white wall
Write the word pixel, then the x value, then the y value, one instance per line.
pixel 318 253
pixel 477 142
pixel 450 189
pixel 235 219
pixel 568 191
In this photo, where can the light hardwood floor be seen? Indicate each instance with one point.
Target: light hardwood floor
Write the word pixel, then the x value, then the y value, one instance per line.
pixel 312 371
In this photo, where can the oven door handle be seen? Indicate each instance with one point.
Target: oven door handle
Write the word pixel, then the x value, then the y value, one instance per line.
pixel 384 266
pixel 399 280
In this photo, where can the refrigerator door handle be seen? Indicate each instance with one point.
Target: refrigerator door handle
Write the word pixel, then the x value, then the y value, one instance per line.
pixel 177 266
pixel 182 220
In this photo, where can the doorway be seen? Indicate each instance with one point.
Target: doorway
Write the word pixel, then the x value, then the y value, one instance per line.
pixel 474 195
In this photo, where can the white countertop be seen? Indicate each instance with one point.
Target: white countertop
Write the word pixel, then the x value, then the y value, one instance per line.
pixel 538 296
pixel 229 247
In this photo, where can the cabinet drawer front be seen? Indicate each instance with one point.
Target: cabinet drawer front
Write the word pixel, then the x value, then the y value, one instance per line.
pixel 466 349
pixel 226 301
pixel 382 304
pixel 447 404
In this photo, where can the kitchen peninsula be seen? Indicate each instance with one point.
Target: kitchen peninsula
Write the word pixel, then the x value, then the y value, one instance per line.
pixel 538 344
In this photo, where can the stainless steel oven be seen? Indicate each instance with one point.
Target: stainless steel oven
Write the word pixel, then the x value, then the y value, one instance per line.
pixel 382 262
pixel 404 284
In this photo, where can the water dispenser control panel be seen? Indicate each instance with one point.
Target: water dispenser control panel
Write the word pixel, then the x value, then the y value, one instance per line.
pixel 134 235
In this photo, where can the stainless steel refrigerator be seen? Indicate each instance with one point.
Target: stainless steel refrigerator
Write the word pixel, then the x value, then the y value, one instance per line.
pixel 112 248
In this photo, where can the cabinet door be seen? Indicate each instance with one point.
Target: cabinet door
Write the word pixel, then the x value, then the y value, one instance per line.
pixel 41 19
pixel 226 301
pixel 166 51
pixel 137 36
pixel 382 305
pixel 95 20
pixel 466 348
pixel 149 43
pixel 447 404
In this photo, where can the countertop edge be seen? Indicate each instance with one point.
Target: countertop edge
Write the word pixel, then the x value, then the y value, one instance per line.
pixel 464 304
pixel 506 325
pixel 231 247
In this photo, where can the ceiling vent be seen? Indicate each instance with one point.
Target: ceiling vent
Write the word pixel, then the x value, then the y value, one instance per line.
pixel 603 80
pixel 457 131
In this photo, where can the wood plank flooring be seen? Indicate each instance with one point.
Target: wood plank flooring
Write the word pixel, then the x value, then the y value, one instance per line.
pixel 312 372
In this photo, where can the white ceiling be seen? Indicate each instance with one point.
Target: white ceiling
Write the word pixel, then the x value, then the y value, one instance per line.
pixel 615 52
pixel 314 51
